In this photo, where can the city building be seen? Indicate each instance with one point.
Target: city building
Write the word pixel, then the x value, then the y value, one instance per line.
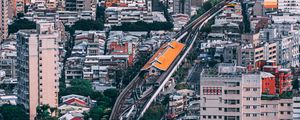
pixel 3 19
pixel 182 7
pixel 66 17
pixel 128 14
pixel 230 92
pixel 8 57
pixel 250 53
pixel 287 38
pixel 291 6
pixel 296 107
pixel 80 5
pixel 37 67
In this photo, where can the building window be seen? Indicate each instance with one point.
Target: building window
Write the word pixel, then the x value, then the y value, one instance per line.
pixel 254 115
pixel 281 104
pixel 288 112
pixel 220 117
pixel 209 117
pixel 289 104
pixel 281 112
pixel 254 99
pixel 215 117
pixel 248 98
pixel 254 89
pixel 262 114
pixel 247 89
pixel 247 107
pixel 204 116
pixel 254 107
pixel 204 108
pixel 247 115
pixel 220 109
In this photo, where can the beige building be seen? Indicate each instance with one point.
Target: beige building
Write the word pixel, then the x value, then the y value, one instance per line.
pixel 38 68
pixel 3 19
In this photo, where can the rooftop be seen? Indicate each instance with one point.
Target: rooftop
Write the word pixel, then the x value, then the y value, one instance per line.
pixel 166 54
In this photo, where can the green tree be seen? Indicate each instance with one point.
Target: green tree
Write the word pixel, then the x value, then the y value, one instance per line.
pixel 96 113
pixel 87 25
pixel 13 112
pixel 154 112
pixel 112 94
pixel 44 112
pixel 79 87
pixel 181 86
pixel 20 24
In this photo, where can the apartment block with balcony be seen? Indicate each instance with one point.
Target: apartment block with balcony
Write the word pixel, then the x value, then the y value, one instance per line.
pixel 37 67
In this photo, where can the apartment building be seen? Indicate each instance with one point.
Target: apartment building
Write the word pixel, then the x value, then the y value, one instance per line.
pixel 37 67
pixel 80 5
pixel 99 68
pixel 296 107
pixel 95 41
pixel 176 104
pixel 119 15
pixel 230 93
pixel 8 56
pixel 3 19
pixel 287 38
pixel 292 6
pixel 223 95
pixel 182 7
pixel 251 53
pixel 66 17
pixel 285 18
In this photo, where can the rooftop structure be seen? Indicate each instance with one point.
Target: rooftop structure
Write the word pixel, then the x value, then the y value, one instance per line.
pixel 164 57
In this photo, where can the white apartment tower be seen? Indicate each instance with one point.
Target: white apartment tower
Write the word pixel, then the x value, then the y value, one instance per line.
pixel 3 19
pixel 38 68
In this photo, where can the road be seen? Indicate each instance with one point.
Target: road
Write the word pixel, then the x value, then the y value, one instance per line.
pixel 138 107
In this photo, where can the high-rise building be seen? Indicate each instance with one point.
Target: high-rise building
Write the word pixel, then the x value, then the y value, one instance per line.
pixel 182 7
pixel 3 19
pixel 38 68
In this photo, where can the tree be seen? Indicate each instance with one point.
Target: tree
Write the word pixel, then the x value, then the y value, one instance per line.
pixel 20 24
pixel 87 25
pixel 154 112
pixel 100 13
pixel 79 87
pixel 181 86
pixel 96 113
pixel 143 26
pixel 43 112
pixel 112 94
pixel 13 112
